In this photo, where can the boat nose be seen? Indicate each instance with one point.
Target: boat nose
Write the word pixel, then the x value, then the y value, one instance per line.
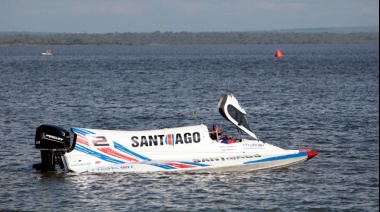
pixel 310 153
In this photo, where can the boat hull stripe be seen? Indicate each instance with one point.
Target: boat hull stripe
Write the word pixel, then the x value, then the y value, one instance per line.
pixel 125 150
pixel 97 154
pixel 282 157
pixel 81 131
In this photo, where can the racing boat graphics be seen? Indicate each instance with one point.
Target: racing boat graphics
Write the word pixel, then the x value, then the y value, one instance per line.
pixel 189 148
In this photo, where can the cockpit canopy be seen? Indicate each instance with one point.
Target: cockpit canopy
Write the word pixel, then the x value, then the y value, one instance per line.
pixel 230 109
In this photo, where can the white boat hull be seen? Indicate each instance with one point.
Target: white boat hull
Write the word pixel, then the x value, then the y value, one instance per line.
pixel 138 151
pixel 190 148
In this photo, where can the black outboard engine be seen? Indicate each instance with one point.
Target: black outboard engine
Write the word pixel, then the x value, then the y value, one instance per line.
pixel 54 142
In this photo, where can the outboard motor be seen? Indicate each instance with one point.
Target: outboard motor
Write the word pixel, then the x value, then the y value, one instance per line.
pixel 54 142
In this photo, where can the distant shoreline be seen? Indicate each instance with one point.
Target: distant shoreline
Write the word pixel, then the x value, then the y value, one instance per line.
pixel 188 38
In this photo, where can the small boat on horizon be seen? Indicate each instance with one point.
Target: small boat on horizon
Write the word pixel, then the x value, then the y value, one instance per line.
pixel 48 52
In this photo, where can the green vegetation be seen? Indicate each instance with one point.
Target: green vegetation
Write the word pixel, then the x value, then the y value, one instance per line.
pixel 177 38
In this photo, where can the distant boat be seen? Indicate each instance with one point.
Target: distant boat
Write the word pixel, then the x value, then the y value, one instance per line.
pixel 48 52
pixel 278 53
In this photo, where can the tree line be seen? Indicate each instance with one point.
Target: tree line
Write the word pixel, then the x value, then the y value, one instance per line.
pixel 188 38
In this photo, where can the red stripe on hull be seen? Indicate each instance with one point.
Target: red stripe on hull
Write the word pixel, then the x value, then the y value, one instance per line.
pixel 179 165
pixel 116 154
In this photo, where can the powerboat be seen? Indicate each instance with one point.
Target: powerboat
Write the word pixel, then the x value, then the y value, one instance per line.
pixel 190 148
pixel 47 53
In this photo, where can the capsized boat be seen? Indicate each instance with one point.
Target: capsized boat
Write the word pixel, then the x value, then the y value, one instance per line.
pixel 190 148
pixel 47 52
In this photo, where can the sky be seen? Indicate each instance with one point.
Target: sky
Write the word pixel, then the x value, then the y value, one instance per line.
pixel 109 16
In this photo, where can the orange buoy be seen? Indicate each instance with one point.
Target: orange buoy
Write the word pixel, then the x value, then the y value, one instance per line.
pixel 278 53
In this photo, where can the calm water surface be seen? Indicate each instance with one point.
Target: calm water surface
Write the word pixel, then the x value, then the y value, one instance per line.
pixel 323 97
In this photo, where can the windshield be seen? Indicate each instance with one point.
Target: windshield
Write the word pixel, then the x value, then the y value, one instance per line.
pixel 231 110
pixel 240 118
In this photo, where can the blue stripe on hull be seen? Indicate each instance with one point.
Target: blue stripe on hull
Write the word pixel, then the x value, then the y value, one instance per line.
pixel 194 164
pixel 283 157
pixel 97 154
pixel 124 149
pixel 81 131
pixel 164 166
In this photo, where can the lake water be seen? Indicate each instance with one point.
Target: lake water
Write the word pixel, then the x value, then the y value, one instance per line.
pixel 322 97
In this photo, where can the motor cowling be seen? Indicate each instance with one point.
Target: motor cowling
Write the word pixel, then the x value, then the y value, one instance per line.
pixel 52 137
pixel 54 142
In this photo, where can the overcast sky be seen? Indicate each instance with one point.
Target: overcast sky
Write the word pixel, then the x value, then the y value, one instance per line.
pixel 103 16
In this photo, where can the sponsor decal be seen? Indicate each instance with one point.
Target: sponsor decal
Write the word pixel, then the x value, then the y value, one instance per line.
pixel 169 139
pixel 253 146
pixel 81 164
pixel 228 148
pixel 225 158
pixel 113 168
pixel 52 137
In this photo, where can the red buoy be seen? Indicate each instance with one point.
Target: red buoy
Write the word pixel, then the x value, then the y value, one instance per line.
pixel 278 53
